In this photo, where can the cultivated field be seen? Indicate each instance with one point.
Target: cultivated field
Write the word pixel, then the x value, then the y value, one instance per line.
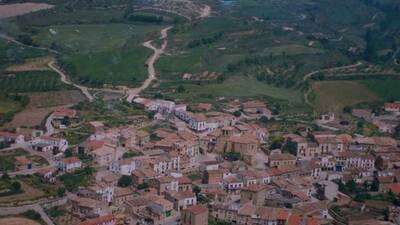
pixel 17 221
pixel 334 95
pixel 32 64
pixel 41 105
pixel 12 10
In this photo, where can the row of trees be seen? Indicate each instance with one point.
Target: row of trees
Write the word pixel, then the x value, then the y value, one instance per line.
pixel 205 40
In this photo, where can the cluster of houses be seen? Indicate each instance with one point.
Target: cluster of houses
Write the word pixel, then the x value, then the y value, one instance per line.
pixel 218 165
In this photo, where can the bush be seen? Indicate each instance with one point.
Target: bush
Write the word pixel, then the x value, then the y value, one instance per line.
pixel 232 156
pixel 32 214
pixel 143 186
pixel 15 187
pixel 124 181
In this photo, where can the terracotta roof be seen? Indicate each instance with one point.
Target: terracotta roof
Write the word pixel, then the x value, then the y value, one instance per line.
pixel 184 180
pixel 283 156
pixel 64 112
pixel 95 144
pixel 392 105
pixel 197 209
pixel 395 188
pixel 71 160
pixel 243 140
pixel 23 160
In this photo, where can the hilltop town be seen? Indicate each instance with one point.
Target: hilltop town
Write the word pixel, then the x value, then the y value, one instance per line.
pixel 199 112
pixel 194 165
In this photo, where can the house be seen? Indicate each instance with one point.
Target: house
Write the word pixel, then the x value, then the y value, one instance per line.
pixel 46 143
pixel 9 138
pixel 256 107
pixel 104 155
pixel 47 174
pixel 255 194
pixel 212 177
pixel 281 160
pixel 23 163
pixel 97 126
pixel 165 163
pixel 392 107
pixel 204 107
pixel 166 183
pixel 121 195
pixel 69 164
pixel 61 117
pixel 195 215
pixel 87 207
pixel 198 122
pixel 181 199
pixel 161 208
pixel 184 183
pixel 244 143
pixel 232 183
pixel 102 220
pixel 142 138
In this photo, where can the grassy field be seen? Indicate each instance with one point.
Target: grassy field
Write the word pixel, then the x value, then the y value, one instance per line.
pixel 334 95
pixel 116 67
pixel 11 53
pixel 31 82
pixel 241 87
pixel 387 90
pixel 8 105
pixel 84 38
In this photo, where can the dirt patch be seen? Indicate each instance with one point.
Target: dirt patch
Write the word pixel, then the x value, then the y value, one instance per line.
pixel 17 221
pixel 29 193
pixel 34 64
pixel 11 10
pixel 41 105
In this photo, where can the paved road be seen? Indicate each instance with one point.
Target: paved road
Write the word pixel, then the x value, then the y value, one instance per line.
pixel 133 92
pixel 64 79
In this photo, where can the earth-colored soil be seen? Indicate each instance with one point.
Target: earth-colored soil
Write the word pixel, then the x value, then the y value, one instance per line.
pixel 29 193
pixel 17 221
pixel 11 10
pixel 42 104
pixel 334 95
pixel 34 64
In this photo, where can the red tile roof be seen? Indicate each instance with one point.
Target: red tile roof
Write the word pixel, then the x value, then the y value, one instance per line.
pixel 197 209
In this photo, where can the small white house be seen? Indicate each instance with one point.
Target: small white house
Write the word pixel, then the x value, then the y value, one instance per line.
pixel 69 164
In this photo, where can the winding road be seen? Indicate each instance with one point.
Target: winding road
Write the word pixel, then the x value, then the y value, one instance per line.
pixel 64 79
pixel 133 92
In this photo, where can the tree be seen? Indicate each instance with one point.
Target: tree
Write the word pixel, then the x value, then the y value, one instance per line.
pixel 264 119
pixel 290 147
pixel 5 176
pixel 15 186
pixel 347 109
pixel 143 186
pixel 232 156
pixel 124 181
pixel 68 153
pixel 61 192
pixel 276 142
pixel 396 133
pixel 32 214
pixel 181 89
pixel 237 113
pixel 196 190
